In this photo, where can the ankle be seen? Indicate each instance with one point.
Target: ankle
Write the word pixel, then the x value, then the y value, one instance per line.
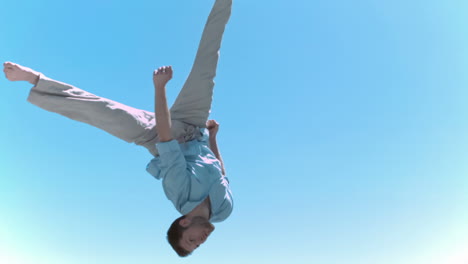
pixel 33 78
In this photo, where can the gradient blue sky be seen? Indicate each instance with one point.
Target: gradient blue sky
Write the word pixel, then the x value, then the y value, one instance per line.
pixel 343 129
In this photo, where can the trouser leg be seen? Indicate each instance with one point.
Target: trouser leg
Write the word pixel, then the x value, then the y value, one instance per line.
pixel 193 104
pixel 127 123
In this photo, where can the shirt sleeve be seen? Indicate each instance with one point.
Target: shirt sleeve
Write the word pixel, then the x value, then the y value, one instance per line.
pixel 221 200
pixel 176 181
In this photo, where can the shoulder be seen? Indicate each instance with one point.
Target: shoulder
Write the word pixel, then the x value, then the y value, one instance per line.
pixel 222 202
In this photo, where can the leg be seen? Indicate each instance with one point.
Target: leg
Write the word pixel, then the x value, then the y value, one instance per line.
pixel 127 123
pixel 193 104
pixel 124 122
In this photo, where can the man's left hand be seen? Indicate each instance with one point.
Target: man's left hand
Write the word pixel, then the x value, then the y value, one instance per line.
pixel 212 127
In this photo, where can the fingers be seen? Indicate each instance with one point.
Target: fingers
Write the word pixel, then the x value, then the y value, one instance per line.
pixel 212 123
pixel 163 70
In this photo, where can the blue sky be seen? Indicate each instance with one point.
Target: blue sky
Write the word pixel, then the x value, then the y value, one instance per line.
pixel 343 129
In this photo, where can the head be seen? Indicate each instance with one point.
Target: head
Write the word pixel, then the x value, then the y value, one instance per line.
pixel 186 234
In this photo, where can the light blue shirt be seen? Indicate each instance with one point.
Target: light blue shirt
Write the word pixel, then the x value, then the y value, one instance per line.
pixel 190 172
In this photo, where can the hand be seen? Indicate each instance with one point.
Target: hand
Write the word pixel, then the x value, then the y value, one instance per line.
pixel 161 76
pixel 212 127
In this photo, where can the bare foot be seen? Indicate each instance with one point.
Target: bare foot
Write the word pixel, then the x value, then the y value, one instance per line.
pixel 16 72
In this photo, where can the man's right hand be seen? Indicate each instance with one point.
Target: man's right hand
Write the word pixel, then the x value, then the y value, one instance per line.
pixel 161 76
pixel 163 116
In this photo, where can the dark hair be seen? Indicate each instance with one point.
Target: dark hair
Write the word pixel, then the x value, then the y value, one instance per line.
pixel 174 234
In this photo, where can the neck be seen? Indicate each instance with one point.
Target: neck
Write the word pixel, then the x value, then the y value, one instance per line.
pixel 202 210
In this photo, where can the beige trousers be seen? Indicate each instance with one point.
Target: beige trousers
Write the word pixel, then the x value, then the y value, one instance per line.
pixel 189 112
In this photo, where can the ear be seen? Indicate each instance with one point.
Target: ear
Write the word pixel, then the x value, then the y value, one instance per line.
pixel 185 222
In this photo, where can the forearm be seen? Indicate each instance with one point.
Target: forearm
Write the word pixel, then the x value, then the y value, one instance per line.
pixel 214 148
pixel 163 116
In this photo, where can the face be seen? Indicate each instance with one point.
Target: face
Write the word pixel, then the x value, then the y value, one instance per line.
pixel 197 233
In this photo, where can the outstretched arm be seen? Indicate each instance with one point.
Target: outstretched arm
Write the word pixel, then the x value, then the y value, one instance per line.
pixel 213 127
pixel 163 117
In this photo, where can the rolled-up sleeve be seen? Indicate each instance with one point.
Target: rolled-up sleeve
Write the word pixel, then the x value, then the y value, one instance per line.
pixel 221 200
pixel 174 173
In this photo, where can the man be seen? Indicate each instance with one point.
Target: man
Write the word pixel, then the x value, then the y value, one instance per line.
pixel 186 156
